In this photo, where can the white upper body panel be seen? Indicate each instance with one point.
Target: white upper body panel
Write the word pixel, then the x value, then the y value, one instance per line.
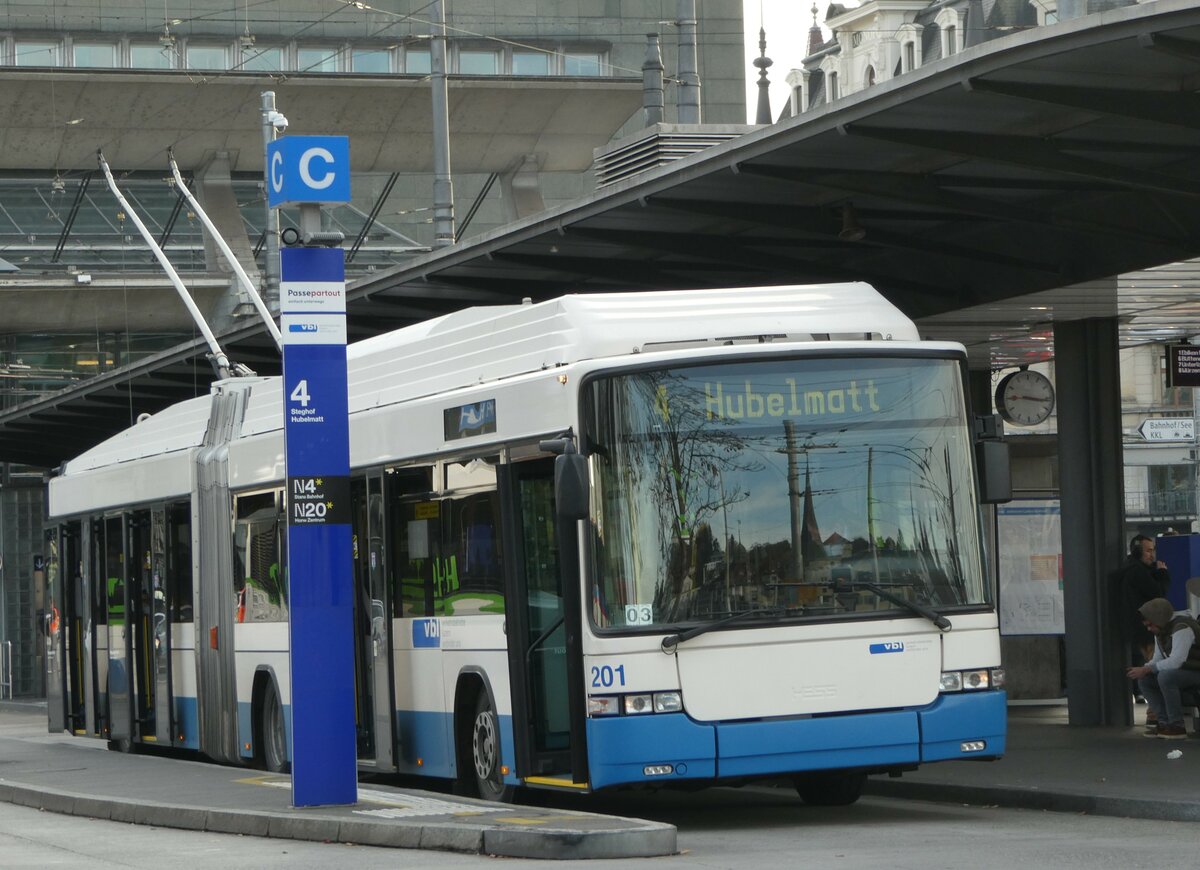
pixel 400 383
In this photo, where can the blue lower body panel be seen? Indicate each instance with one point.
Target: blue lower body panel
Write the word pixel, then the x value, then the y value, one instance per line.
pixel 620 748
pixel 187 724
pixel 426 742
pixel 971 717
pixel 661 748
pixel 785 745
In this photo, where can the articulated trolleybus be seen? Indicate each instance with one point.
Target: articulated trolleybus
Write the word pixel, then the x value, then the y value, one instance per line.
pixel 606 540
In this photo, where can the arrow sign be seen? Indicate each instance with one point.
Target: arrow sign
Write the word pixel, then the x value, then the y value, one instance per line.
pixel 1168 429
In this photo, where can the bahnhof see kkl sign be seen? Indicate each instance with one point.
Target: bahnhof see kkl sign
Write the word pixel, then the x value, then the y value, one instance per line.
pixel 1168 429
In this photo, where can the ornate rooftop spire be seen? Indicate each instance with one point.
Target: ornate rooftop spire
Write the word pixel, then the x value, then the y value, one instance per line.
pixel 763 115
pixel 815 38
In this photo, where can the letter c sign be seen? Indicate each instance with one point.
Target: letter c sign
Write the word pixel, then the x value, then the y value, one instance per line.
pixel 306 160
pixel 277 172
pixel 308 169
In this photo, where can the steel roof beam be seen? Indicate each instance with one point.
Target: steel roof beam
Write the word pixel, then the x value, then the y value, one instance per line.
pixel 816 223
pixel 925 190
pixel 1029 152
pixel 1171 45
pixel 1168 108
pixel 71 215
pixel 741 254
pixel 651 274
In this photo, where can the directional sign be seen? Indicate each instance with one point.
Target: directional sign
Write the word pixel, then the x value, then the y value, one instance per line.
pixel 316 434
pixel 1168 429
pixel 308 169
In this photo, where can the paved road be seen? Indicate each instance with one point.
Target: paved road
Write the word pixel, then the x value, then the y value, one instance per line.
pixel 723 828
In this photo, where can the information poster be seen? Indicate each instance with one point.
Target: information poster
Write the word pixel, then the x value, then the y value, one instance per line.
pixel 1029 543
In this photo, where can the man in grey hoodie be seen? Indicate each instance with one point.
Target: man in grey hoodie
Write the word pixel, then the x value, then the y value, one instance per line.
pixel 1174 666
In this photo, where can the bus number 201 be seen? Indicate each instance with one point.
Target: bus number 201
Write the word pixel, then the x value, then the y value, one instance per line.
pixel 605 677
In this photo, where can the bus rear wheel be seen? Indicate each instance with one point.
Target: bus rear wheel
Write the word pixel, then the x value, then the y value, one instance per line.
pixel 274 735
pixel 485 752
pixel 830 789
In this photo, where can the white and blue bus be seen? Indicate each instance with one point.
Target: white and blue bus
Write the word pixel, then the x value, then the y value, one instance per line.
pixel 606 540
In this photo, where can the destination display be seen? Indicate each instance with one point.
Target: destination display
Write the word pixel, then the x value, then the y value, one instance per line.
pixel 1183 365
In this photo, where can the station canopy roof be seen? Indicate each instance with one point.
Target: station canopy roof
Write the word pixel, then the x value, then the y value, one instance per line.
pixel 57 118
pixel 988 195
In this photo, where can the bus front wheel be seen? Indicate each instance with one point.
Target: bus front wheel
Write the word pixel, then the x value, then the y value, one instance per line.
pixel 830 789
pixel 485 752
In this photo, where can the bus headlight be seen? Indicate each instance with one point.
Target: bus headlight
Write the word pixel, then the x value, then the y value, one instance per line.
pixel 667 702
pixel 972 680
pixel 951 681
pixel 603 705
pixel 635 704
pixel 638 704
pixel 976 679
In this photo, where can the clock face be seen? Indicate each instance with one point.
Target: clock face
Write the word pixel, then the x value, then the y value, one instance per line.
pixel 1025 398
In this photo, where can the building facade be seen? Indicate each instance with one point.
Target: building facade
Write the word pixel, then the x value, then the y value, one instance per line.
pixel 534 86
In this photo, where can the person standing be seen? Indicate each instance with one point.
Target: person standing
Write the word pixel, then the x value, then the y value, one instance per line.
pixel 1174 666
pixel 1142 578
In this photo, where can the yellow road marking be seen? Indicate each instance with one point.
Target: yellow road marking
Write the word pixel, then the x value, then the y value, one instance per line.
pixel 554 782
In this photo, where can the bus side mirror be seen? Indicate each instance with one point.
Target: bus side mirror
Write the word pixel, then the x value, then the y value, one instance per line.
pixel 995 474
pixel 571 486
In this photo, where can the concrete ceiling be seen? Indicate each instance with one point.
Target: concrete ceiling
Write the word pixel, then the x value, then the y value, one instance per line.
pixel 1000 189
pixel 55 119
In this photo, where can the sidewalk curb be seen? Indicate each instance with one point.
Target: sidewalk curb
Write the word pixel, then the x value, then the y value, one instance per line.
pixel 1038 799
pixel 645 840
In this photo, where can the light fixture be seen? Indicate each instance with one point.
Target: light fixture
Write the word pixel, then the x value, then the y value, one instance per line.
pixel 852 230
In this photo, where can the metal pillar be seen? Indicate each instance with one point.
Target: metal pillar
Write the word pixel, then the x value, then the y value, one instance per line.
pixel 271 226
pixel 443 186
pixel 689 67
pixel 1091 483
pixel 652 82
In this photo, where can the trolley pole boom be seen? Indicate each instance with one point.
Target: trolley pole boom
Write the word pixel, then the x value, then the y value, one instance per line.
pixel 220 361
pixel 243 278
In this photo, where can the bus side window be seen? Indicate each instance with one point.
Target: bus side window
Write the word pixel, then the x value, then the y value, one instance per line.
pixel 179 562
pixel 259 587
pixel 414 534
pixel 474 550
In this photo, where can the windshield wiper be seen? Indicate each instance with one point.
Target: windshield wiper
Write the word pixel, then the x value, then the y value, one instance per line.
pixel 919 609
pixel 672 641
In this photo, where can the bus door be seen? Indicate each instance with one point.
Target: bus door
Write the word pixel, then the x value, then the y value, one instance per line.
pixel 537 649
pixel 373 627
pixel 72 620
pixel 53 604
pixel 158 633
pixel 139 645
pixel 119 717
pixel 93 610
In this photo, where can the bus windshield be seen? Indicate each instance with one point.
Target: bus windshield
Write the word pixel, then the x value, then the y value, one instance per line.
pixel 781 486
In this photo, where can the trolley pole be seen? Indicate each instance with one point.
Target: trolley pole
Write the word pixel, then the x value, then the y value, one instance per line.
pixel 311 170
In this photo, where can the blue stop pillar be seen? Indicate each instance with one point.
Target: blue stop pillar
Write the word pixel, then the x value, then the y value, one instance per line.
pixel 316 426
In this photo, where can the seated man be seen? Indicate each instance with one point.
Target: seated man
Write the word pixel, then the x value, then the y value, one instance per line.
pixel 1175 665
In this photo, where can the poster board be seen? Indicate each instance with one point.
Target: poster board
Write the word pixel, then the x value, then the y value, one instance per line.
pixel 1029 548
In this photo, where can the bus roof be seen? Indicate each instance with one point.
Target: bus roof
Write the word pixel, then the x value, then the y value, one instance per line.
pixel 488 343
pixel 485 344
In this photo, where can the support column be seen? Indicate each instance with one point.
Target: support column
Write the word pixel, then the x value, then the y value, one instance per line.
pixel 522 188
pixel 214 192
pixel 1087 371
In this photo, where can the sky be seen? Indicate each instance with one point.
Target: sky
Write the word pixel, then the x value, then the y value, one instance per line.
pixel 787 23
